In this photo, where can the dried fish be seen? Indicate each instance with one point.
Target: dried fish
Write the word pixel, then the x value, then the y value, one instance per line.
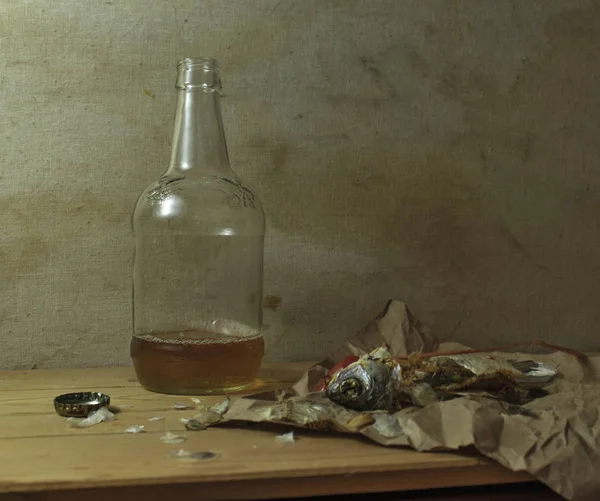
pixel 285 438
pixel 156 418
pixel 137 428
pixel 378 381
pixel 101 415
pixel 172 438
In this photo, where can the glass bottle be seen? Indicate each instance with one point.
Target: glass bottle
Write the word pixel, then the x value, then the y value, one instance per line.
pixel 198 266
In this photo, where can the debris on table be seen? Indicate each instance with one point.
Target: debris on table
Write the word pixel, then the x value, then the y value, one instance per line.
pixel 182 406
pixel 192 424
pixel 97 417
pixel 207 416
pixel 171 437
pixel 222 407
pixel 285 438
pixel 204 455
pixel 137 428
pixel 181 453
pixel 156 418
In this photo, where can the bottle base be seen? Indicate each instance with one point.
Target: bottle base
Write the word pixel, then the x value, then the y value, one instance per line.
pixel 205 364
pixel 223 390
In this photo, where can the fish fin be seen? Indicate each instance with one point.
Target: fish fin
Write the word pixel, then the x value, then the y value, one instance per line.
pixel 381 353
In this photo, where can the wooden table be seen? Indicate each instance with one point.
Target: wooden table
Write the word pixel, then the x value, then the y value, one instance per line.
pixel 42 458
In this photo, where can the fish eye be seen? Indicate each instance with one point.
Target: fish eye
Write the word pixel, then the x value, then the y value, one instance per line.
pixel 351 388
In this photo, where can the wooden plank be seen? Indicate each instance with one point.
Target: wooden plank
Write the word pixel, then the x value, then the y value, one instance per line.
pixel 38 402
pixel 95 460
pixel 31 398
pixel 367 484
pixel 109 377
pixel 52 425
pixel 62 379
pixel 35 417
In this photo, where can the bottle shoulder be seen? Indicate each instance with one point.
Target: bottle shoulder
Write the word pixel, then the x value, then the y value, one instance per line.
pixel 221 186
pixel 210 200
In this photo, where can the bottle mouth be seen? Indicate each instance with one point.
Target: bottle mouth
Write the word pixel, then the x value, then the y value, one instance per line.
pixel 206 63
pixel 198 73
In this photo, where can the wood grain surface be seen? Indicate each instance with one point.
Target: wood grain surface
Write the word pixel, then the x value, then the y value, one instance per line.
pixel 42 455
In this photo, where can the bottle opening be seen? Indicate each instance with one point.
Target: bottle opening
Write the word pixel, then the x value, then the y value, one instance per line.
pixel 208 63
pixel 198 72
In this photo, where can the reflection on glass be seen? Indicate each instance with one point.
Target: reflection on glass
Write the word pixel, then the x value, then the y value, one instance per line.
pixel 170 206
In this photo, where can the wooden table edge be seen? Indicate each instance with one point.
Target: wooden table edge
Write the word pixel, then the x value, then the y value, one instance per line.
pixel 269 487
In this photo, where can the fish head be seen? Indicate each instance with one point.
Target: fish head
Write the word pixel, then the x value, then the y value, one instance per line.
pixel 361 385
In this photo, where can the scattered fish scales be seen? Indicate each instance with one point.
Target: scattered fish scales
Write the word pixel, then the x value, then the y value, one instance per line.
pixel 181 453
pixel 172 438
pixel 194 425
pixel 181 406
pixel 137 428
pixel 207 417
pixel 285 438
pixel 100 416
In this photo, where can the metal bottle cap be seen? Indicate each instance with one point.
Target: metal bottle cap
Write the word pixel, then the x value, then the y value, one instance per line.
pixel 80 404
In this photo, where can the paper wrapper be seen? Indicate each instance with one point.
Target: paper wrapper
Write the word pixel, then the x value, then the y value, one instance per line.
pixel 559 443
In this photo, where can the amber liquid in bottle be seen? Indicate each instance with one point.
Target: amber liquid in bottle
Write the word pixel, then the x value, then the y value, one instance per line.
pixel 198 362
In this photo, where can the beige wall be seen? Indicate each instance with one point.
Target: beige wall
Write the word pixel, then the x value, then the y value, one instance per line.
pixel 441 152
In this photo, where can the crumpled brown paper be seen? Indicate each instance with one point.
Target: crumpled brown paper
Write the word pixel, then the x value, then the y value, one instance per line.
pixel 559 443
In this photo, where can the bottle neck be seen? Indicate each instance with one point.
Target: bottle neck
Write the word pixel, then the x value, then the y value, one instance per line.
pixel 199 147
